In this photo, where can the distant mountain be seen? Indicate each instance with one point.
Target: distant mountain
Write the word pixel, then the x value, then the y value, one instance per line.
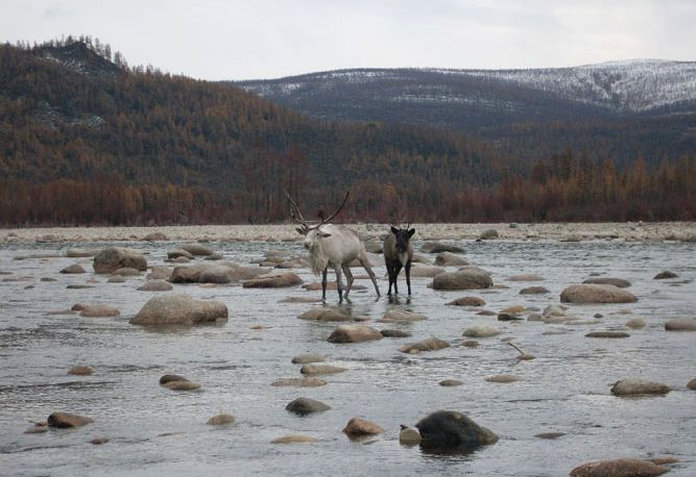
pixel 631 86
pixel 559 108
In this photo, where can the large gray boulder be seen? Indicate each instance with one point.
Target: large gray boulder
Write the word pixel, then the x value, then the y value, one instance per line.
pixel 274 280
pixel 354 334
pixel 466 278
pixel 588 293
pixel 176 309
pixel 111 259
pixel 446 431
pixel 633 386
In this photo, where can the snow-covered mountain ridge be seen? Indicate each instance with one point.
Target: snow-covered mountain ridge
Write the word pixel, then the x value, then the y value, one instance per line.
pixel 632 86
pixel 635 85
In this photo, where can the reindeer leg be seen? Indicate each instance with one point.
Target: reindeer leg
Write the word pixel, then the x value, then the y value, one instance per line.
pixel 349 278
pixel 397 269
pixel 323 283
pixel 390 273
pixel 339 283
pixel 408 276
pixel 366 265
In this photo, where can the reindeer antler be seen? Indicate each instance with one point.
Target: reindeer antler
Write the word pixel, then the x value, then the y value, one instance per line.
pixel 324 221
pixel 295 209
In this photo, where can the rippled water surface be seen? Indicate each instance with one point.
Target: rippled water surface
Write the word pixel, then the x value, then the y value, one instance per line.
pixel 154 431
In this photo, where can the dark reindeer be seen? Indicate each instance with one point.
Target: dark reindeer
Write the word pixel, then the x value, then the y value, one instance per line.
pixel 398 253
pixel 332 245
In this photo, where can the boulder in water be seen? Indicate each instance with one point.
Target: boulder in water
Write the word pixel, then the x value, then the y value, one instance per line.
pixel 481 331
pixel 446 431
pixel 274 280
pixel 466 278
pixel 428 344
pixel 196 249
pixel 449 259
pixel 176 309
pixel 221 420
pixel 634 386
pixel 617 282
pixel 325 314
pixel 73 269
pixel 683 324
pixel 359 427
pixel 588 293
pixel 354 334
pixel 303 406
pixel 468 301
pixel 65 419
pixel 113 258
pixel 155 285
pixel 618 468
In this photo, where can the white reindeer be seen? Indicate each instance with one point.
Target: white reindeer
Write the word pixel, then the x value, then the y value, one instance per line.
pixel 332 245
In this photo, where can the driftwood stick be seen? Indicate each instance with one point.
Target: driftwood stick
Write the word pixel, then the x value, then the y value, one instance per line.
pixel 521 352
pixel 523 356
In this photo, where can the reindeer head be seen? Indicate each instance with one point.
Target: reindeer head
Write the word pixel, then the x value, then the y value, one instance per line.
pixel 313 236
pixel 312 232
pixel 402 238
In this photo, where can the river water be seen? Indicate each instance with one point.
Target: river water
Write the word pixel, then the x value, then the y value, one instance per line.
pixel 153 431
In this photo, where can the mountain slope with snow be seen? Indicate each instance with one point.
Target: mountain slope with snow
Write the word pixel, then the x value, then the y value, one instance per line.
pixel 491 96
pixel 621 109
pixel 637 85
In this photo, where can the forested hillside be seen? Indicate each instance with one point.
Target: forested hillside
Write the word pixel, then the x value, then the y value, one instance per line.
pixel 86 139
pixel 618 110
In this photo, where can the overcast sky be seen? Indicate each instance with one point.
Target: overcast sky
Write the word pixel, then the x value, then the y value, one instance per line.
pixel 235 39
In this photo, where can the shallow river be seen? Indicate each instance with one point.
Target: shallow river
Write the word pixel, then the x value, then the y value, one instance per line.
pixel 153 431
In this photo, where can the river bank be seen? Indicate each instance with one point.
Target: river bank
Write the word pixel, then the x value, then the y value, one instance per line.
pixel 629 231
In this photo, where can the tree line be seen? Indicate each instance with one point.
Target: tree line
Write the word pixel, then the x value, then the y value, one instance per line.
pixel 104 145
pixel 562 188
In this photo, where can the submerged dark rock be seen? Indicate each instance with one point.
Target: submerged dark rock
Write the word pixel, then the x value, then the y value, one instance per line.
pixel 451 431
pixel 65 420
pixel 303 406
